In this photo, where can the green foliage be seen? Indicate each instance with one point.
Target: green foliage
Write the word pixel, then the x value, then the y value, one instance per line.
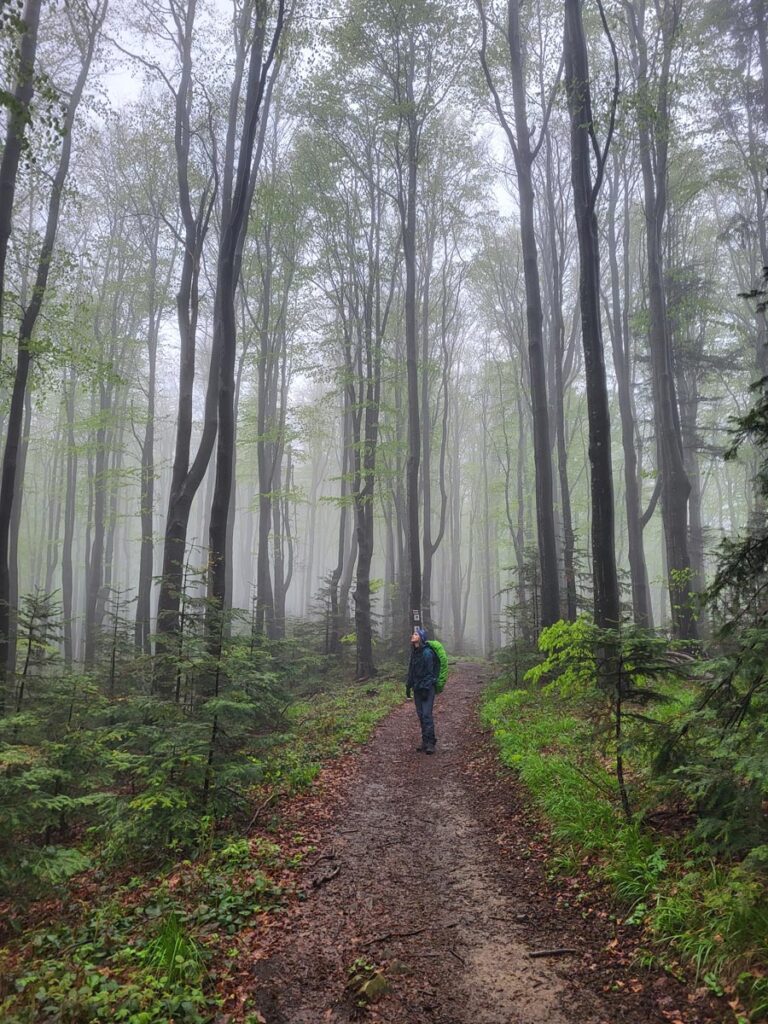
pixel 230 907
pixel 628 661
pixel 121 964
pixel 86 993
pixel 617 673
pixel 173 955
pixel 712 915
pixel 569 649
pixel 92 778
pixel 577 794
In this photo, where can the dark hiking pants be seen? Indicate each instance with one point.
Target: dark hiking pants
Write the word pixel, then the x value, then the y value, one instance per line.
pixel 424 703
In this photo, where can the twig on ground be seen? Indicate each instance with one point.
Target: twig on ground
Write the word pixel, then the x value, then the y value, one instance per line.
pixel 257 813
pixel 394 935
pixel 560 951
pixel 331 855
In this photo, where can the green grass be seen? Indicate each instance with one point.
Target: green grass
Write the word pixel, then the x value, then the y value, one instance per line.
pixel 711 916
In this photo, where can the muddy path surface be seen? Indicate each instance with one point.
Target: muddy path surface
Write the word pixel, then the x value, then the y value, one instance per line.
pixel 432 870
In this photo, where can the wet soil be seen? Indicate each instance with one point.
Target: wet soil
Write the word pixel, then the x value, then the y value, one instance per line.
pixel 433 871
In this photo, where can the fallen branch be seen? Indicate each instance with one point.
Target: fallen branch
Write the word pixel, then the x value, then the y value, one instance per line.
pixel 317 882
pixel 321 857
pixel 560 951
pixel 262 807
pixel 395 935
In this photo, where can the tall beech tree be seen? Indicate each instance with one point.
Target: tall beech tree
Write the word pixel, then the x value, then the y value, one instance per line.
pixel 273 255
pixel 618 225
pixel 196 208
pixel 525 150
pixel 653 83
pixel 258 40
pixel 586 189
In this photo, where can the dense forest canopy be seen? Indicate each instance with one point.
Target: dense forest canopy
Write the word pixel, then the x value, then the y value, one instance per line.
pixel 333 313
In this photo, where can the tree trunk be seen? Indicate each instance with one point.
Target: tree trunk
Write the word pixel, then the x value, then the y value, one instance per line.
pixel 556 260
pixel 585 192
pixel 408 223
pixel 619 330
pixel 143 630
pixel 653 135
pixel 95 569
pixel 186 475
pixel 19 116
pixel 238 193
pixel 67 575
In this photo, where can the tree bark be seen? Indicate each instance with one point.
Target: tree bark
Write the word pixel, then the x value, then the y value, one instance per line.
pixel 585 193
pixel 407 193
pixel 556 259
pixel 239 184
pixel 619 331
pixel 187 474
pixel 142 631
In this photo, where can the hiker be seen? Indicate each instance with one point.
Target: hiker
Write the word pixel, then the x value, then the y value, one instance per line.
pixel 422 680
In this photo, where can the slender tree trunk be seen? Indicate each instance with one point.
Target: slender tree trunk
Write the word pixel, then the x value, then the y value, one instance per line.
pixel 426 430
pixel 238 194
pixel 585 192
pixel 15 528
pixel 53 531
pixel 556 260
pixel 95 574
pixel 487 604
pixel 19 115
pixel 278 551
pixel 334 639
pixel 653 135
pixel 366 476
pixel 187 474
pixel 689 410
pixel 454 537
pixel 143 630
pixel 318 464
pixel 619 330
pixel 408 221
pixel 67 574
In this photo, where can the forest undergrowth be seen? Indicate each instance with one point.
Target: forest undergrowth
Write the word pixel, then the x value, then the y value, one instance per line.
pixel 138 837
pixel 651 790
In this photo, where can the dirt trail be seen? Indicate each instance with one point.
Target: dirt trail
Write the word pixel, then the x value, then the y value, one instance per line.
pixel 428 870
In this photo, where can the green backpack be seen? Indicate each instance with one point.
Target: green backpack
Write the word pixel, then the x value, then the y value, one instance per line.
pixel 442 657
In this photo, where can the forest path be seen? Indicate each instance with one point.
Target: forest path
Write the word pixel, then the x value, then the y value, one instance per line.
pixel 432 869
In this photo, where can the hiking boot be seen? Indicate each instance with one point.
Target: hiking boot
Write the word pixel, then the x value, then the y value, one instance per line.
pixel 429 748
pixel 421 748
